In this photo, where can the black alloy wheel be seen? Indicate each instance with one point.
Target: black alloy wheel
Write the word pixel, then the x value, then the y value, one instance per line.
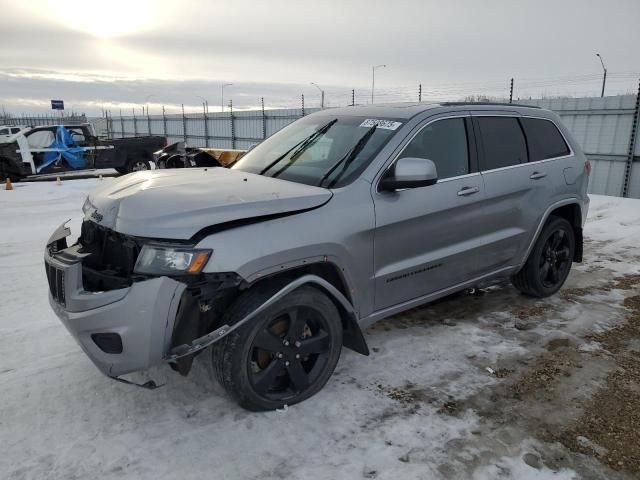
pixel 555 260
pixel 549 261
pixel 285 354
pixel 289 354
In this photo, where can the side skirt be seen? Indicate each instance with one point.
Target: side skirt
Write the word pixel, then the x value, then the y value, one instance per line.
pixel 416 302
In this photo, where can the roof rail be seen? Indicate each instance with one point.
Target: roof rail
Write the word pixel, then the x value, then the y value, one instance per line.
pixel 456 104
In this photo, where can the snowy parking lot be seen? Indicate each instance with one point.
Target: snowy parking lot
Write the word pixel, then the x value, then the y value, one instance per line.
pixel 479 386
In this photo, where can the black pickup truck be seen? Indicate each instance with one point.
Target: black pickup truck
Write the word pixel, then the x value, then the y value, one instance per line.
pixel 62 148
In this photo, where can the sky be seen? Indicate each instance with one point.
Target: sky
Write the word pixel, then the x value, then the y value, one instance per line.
pixel 124 54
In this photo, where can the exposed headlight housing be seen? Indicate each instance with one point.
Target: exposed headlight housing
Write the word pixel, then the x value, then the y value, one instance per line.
pixel 160 260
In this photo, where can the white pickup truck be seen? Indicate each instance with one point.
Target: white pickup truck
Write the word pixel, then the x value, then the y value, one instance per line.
pixel 7 131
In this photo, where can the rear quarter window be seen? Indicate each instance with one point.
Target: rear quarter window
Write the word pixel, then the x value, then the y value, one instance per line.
pixel 503 142
pixel 544 139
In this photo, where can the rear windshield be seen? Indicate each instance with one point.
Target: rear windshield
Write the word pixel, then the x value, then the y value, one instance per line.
pixel 322 150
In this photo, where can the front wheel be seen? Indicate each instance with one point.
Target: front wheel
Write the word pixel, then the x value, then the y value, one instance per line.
pixel 283 356
pixel 549 262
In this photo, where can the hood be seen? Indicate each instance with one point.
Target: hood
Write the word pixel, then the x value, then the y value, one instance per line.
pixel 176 204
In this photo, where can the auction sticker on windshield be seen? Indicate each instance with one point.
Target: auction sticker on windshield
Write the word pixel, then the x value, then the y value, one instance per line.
pixel 386 124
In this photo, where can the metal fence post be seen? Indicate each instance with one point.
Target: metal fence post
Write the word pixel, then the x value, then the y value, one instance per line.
pixel 233 125
pixel 302 96
pixel 632 145
pixel 264 119
pixel 148 122
pixel 184 125
pixel 353 97
pixel 106 121
pixel 419 93
pixel 511 92
pixel 164 123
pixel 121 125
pixel 135 122
pixel 206 124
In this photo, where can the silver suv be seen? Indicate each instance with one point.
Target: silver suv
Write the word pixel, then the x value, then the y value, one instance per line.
pixel 342 218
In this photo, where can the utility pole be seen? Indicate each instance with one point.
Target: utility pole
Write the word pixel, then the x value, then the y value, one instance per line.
pixel 604 78
pixel 373 79
pixel 222 94
pixel 321 94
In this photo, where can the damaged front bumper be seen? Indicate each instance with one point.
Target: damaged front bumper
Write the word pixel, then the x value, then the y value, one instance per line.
pixel 121 331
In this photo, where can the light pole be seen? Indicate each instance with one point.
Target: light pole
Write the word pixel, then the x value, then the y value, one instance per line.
pixel 222 94
pixel 373 79
pixel 321 95
pixel 604 78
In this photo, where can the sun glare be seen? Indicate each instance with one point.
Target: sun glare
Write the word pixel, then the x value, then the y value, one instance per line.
pixel 110 19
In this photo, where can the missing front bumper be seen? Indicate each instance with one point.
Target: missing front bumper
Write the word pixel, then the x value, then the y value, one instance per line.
pixel 142 315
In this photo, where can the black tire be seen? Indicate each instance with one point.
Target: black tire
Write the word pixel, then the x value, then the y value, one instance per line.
pixel 257 364
pixel 550 260
pixel 6 171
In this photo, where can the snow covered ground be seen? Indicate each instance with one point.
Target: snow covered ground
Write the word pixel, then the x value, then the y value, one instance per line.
pixel 378 417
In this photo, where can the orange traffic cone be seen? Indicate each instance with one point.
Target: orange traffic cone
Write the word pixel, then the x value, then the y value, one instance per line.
pixel 58 181
pixel 8 185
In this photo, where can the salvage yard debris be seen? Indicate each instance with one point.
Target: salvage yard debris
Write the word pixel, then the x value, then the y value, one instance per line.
pixel 179 155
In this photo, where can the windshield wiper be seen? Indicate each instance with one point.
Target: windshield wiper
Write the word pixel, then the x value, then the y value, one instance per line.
pixel 299 147
pixel 349 157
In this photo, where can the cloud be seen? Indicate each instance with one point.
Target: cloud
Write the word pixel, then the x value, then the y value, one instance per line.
pixel 121 51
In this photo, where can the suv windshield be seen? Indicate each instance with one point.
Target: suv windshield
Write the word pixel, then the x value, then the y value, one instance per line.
pixel 307 151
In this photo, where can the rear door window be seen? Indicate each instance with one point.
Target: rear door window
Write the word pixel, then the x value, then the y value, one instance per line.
pixel 544 139
pixel 15 130
pixel 502 141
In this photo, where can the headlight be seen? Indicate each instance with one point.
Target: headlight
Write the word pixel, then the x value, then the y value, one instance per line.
pixel 156 260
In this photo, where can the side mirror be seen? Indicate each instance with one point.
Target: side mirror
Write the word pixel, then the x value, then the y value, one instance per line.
pixel 410 172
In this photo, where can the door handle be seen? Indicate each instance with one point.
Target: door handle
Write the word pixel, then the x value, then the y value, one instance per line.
pixel 468 191
pixel 537 175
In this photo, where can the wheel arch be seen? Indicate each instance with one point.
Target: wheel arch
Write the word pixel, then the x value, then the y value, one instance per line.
pixel 570 210
pixel 327 277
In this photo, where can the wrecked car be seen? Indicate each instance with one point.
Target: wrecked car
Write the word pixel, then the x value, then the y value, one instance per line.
pixel 342 218
pixel 179 155
pixel 62 148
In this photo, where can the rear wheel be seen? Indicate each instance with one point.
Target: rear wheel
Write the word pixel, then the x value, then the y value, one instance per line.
pixel 549 262
pixel 138 165
pixel 283 356
pixel 7 172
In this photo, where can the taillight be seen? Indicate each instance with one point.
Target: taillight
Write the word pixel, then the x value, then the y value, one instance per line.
pixel 587 167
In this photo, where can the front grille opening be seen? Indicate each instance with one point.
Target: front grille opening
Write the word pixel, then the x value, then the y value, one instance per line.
pixel 55 277
pixel 111 258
